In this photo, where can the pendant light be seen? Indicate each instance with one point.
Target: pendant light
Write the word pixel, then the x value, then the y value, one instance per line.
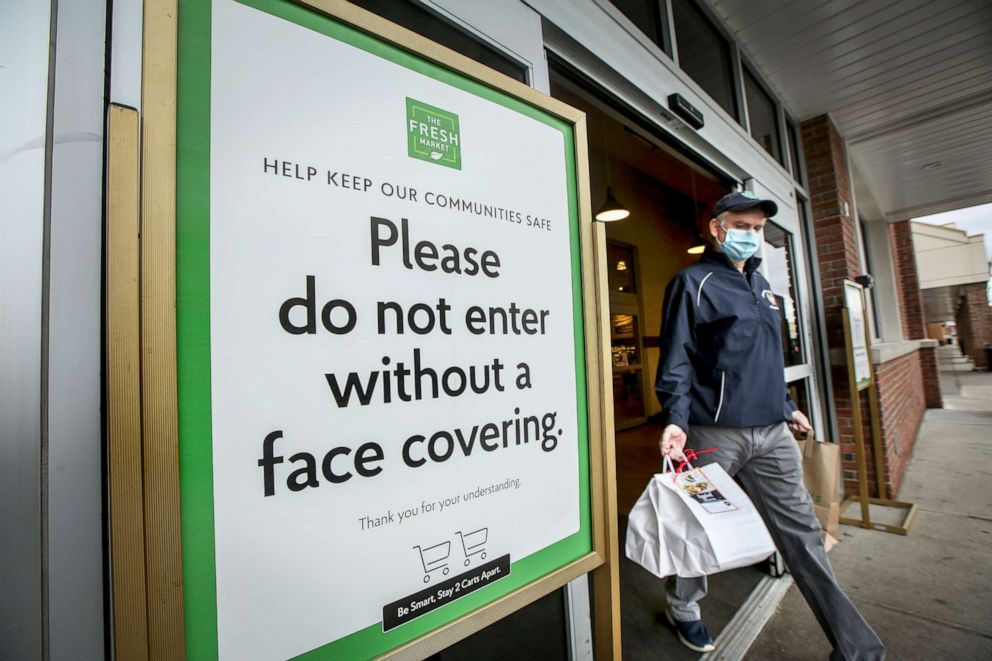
pixel 698 246
pixel 612 209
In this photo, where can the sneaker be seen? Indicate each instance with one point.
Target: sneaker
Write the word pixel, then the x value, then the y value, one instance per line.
pixel 692 634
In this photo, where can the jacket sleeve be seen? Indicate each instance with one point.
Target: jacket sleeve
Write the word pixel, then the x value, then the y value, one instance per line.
pixel 675 371
pixel 790 404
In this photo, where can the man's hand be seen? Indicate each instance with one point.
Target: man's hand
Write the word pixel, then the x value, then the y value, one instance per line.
pixel 800 423
pixel 672 442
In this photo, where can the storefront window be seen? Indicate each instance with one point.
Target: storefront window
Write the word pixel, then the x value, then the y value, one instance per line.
pixel 762 116
pixel 427 24
pixel 704 54
pixel 644 14
pixel 621 268
pixel 795 153
pixel 778 268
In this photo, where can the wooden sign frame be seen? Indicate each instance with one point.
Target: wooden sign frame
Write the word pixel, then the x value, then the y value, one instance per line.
pixel 854 292
pixel 146 527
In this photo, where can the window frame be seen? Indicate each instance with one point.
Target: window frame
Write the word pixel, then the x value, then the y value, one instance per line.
pixel 512 66
pixel 739 112
pixel 797 156
pixel 778 113
pixel 803 368
pixel 819 361
pixel 663 24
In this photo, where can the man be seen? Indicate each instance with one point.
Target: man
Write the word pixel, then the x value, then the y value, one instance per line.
pixel 720 381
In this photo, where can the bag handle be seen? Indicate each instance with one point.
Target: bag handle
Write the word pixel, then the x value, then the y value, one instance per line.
pixel 808 448
pixel 689 455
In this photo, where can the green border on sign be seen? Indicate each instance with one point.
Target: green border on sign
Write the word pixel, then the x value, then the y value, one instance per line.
pixel 193 336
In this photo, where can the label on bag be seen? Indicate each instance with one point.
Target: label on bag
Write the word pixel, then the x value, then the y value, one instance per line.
pixel 699 488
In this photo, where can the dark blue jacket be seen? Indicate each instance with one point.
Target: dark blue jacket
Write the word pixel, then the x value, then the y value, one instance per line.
pixel 721 347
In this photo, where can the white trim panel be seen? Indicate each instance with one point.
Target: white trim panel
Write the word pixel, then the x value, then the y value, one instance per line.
pixel 721 139
pixel 75 483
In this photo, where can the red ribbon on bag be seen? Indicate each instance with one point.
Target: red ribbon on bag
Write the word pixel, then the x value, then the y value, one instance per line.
pixel 691 455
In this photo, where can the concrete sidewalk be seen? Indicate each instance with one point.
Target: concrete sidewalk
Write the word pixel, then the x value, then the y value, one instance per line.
pixel 928 594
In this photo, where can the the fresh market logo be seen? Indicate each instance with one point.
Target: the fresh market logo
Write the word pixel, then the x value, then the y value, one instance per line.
pixel 432 134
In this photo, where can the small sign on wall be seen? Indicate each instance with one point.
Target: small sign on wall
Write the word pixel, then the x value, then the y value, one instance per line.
pixel 855 303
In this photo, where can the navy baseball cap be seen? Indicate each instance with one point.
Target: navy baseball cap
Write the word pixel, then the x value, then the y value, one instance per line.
pixel 744 201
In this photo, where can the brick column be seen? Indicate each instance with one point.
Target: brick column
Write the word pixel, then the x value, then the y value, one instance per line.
pixel 839 259
pixel 914 326
pixel 907 280
pixel 835 232
pixel 974 321
pixel 931 378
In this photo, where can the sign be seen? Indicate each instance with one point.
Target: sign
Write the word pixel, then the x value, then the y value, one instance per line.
pixel 859 343
pixel 382 400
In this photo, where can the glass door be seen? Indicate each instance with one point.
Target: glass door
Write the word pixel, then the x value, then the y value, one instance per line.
pixel 784 265
pixel 779 265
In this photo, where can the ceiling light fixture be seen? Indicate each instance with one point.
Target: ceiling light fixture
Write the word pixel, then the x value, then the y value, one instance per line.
pixel 611 209
pixel 698 246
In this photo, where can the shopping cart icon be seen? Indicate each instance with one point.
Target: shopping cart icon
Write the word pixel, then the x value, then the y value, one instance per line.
pixel 473 543
pixel 434 558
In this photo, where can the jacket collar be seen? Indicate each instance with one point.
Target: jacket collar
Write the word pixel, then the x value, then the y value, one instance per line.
pixel 713 256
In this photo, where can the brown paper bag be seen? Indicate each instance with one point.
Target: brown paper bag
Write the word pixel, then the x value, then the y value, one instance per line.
pixel 821 473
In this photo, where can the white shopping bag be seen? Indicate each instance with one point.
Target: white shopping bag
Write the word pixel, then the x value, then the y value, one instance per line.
pixel 695 523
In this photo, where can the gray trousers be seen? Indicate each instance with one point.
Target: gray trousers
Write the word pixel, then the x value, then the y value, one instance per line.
pixel 768 463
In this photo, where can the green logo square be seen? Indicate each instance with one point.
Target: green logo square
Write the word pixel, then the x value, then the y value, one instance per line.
pixel 432 134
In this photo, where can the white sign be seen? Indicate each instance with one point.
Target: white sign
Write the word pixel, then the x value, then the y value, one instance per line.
pixel 859 342
pixel 392 335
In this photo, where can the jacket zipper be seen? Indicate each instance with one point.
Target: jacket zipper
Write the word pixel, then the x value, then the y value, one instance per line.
pixel 750 288
pixel 719 406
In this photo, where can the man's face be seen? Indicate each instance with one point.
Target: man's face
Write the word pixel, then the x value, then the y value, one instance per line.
pixel 751 220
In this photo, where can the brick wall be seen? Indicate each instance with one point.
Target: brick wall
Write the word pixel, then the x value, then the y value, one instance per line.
pixel 974 321
pixel 907 281
pixel 902 403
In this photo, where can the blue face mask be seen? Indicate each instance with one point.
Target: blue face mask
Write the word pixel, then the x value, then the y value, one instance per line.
pixel 740 245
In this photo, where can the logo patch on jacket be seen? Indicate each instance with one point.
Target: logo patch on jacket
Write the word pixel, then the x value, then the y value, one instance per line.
pixel 770 297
